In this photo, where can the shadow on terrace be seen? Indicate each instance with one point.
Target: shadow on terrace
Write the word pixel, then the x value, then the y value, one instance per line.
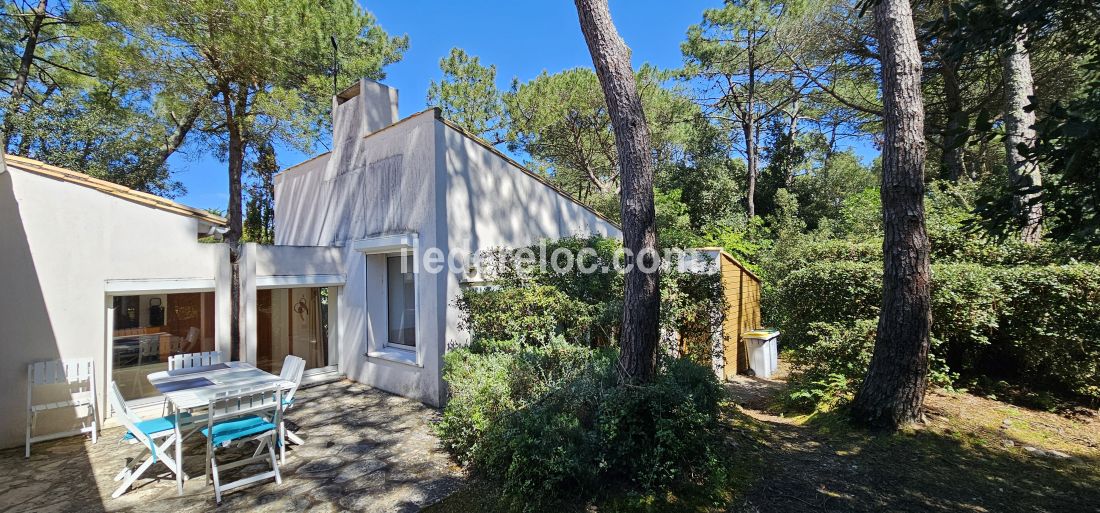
pixel 365 450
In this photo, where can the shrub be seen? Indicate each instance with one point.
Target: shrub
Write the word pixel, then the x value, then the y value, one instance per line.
pixel 486 383
pixel 549 424
pixel 1034 324
pixel 533 312
pixel 664 434
pixel 830 292
pixel 479 395
pixel 828 370
pixel 1052 332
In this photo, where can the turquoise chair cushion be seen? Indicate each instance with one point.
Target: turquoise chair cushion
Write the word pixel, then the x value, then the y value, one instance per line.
pixel 153 426
pixel 225 432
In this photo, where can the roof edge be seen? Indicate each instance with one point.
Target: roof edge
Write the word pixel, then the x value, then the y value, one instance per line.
pixel 74 177
pixel 735 261
pixel 485 144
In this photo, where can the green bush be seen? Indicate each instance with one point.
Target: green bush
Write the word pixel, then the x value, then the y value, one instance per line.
pixel 828 370
pixel 1037 325
pixel 829 292
pixel 1052 326
pixel 533 312
pixel 664 434
pixel 486 382
pixel 550 425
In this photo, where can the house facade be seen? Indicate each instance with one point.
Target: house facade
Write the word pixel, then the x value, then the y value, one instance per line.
pixel 411 192
pixel 95 270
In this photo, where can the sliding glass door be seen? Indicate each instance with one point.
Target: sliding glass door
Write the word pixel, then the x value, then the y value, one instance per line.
pixel 292 321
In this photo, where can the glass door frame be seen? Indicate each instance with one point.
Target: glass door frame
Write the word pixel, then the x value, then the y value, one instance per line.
pixel 335 286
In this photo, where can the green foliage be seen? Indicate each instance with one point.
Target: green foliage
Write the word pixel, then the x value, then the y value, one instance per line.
pixel 560 120
pixel 84 104
pixel 673 220
pixel 532 313
pixel 253 72
pixel 550 425
pixel 531 299
pixel 828 370
pixel 830 292
pixel 1034 325
pixel 822 191
pixel 468 95
pixel 664 434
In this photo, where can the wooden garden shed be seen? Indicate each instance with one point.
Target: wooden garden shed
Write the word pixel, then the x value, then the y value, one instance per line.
pixel 741 288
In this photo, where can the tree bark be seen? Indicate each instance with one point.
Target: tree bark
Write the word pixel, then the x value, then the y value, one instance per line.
pixel 22 75
pixel 750 154
pixel 641 304
pixel 892 393
pixel 958 123
pixel 233 235
pixel 1024 176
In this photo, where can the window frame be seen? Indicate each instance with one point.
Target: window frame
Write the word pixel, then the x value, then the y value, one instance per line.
pixel 386 343
pixel 115 288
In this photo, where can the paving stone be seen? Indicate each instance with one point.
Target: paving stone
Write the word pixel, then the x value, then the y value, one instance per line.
pixel 365 450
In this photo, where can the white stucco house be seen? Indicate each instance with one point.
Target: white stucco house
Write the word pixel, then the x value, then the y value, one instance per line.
pixel 95 270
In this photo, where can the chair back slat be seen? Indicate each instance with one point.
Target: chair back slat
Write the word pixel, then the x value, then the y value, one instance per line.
pixel 54 372
pixel 293 369
pixel 185 361
pixel 245 401
pixel 121 411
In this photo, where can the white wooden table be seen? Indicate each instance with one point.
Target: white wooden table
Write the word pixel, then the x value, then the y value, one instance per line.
pixel 191 389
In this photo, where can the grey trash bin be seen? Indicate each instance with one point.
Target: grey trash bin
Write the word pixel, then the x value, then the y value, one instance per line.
pixel 763 351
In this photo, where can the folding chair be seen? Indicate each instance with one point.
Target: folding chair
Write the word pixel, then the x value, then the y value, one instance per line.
pixel 293 368
pixel 79 376
pixel 147 433
pixel 238 417
pixel 186 361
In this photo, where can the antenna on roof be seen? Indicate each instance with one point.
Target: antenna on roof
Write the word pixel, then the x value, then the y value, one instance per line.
pixel 335 63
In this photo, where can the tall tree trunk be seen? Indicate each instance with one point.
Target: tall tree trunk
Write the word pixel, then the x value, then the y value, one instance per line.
pixel 641 304
pixel 892 393
pixel 1023 172
pixel 958 122
pixel 233 235
pixel 750 156
pixel 22 75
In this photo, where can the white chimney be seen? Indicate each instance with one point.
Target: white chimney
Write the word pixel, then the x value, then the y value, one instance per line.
pixel 361 109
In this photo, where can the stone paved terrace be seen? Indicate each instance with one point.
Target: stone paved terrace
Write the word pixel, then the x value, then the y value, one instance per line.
pixel 365 450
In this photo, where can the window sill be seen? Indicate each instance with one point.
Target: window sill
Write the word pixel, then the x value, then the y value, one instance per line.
pixel 402 356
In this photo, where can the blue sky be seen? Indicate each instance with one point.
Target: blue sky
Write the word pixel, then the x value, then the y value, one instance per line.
pixel 522 38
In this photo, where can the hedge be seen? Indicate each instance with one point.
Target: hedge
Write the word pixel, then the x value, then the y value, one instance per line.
pixel 1038 325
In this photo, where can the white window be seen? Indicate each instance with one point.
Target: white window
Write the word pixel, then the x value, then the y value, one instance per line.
pixel 401 301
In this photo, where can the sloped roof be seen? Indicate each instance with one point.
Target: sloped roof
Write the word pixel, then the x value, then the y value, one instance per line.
pixel 722 252
pixel 118 191
pixel 438 114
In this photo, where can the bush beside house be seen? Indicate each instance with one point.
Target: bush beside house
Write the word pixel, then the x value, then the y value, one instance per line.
pixel 534 403
pixel 1033 325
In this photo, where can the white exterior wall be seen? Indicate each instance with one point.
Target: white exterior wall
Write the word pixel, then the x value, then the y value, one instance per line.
pixel 491 202
pixel 417 179
pixel 60 244
pixel 286 267
pixel 366 188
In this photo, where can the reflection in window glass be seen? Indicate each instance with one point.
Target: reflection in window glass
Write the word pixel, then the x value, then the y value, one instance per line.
pixel 149 328
pixel 291 321
pixel 401 300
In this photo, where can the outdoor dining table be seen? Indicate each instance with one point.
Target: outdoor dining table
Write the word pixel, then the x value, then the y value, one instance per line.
pixel 191 389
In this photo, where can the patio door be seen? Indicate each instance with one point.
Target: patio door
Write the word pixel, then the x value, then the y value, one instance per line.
pixel 293 321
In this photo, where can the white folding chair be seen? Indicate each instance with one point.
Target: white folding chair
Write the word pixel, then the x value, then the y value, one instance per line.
pixel 293 368
pixel 79 376
pixel 186 361
pixel 144 432
pixel 238 417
